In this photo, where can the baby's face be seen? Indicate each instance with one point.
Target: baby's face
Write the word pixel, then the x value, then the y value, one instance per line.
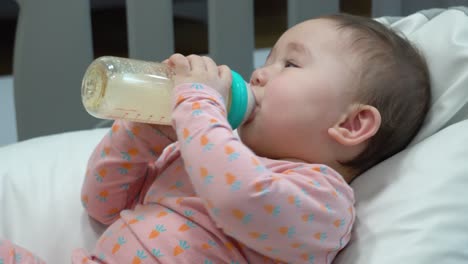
pixel 302 90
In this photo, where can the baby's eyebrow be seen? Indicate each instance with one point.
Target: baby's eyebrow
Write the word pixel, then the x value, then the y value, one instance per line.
pixel 293 46
pixel 298 47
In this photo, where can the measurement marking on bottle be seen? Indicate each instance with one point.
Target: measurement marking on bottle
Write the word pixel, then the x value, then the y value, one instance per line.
pixel 125 110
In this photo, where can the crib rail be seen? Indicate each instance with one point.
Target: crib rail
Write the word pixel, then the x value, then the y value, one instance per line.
pixel 53 47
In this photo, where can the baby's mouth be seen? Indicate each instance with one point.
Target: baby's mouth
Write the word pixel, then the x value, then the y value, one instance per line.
pixel 252 115
pixel 255 108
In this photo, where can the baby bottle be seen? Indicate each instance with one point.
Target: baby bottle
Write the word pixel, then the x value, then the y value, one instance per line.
pixel 141 91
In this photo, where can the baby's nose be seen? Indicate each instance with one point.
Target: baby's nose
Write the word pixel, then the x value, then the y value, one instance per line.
pixel 259 77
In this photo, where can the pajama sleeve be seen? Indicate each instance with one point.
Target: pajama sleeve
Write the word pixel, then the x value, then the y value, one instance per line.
pixel 118 168
pixel 302 214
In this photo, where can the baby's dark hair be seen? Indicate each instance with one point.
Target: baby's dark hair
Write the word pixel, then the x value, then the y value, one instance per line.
pixel 394 78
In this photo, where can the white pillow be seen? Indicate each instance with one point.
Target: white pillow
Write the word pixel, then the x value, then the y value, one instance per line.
pixel 442 36
pixel 40 184
pixel 413 207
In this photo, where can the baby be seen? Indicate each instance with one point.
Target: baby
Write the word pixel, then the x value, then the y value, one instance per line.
pixel 337 95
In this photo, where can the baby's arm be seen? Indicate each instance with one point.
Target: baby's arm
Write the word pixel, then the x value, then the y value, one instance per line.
pixel 118 168
pixel 14 254
pixel 299 215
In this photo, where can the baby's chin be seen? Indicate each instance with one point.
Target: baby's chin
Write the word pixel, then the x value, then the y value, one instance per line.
pixel 248 141
pixel 254 142
pixel 244 133
pixel 241 133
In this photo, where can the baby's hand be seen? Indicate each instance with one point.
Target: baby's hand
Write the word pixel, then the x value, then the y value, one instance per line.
pixel 201 69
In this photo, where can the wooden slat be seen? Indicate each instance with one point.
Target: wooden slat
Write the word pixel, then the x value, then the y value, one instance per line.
pixel 231 34
pixel 386 8
pixel 150 29
pixel 53 47
pixel 301 10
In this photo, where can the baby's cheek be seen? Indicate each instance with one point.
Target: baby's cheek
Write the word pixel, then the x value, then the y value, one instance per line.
pixel 275 124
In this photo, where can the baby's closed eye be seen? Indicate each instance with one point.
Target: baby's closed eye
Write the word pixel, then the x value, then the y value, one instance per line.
pixel 289 64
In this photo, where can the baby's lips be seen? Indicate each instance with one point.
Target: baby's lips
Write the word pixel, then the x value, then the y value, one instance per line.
pixel 253 113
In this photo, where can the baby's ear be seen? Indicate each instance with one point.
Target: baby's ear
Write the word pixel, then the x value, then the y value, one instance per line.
pixel 359 124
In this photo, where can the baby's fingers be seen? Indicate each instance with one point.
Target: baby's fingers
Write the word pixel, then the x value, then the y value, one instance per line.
pixel 197 64
pixel 180 64
pixel 224 73
pixel 211 67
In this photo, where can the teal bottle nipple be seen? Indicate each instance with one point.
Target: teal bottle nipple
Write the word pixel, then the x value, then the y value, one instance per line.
pixel 239 100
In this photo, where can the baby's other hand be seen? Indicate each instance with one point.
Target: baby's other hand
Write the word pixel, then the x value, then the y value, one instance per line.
pixel 201 69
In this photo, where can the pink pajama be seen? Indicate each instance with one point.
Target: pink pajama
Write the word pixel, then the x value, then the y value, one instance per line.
pixel 207 198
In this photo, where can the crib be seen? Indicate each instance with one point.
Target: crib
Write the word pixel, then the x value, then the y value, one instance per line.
pixel 411 208
pixel 39 60
pixel 54 46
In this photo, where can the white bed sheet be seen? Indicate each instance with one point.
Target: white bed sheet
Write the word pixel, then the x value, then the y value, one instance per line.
pixel 40 182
